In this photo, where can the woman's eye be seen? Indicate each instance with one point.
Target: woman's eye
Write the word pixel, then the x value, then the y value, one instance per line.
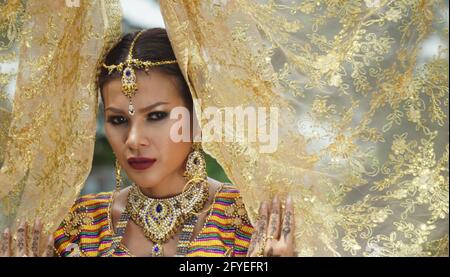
pixel 157 115
pixel 117 120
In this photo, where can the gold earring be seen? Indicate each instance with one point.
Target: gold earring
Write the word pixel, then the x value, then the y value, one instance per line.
pixel 196 164
pixel 118 168
pixel 195 173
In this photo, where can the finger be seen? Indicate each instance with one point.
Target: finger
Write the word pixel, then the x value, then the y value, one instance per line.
pixel 35 241
pixel 255 234
pixel 287 231
pixel 6 243
pixel 21 240
pixel 273 231
pixel 49 250
pixel 259 233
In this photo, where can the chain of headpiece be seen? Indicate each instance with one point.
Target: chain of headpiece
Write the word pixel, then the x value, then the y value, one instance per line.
pixel 129 85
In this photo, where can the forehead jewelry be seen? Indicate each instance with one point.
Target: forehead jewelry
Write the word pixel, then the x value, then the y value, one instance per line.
pixel 129 85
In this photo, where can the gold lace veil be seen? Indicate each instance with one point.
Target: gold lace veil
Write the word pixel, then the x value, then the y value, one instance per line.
pixel 363 113
pixel 49 54
pixel 363 110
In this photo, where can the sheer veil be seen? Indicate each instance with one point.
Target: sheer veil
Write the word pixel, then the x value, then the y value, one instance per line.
pixel 362 93
pixel 48 102
pixel 359 91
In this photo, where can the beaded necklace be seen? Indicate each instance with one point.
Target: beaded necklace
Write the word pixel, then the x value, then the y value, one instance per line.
pixel 161 218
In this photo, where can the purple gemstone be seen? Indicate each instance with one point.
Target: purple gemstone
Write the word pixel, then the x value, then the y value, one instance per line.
pixel 156 249
pixel 159 208
pixel 128 73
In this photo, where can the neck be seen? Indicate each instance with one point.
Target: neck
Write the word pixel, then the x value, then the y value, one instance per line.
pixel 168 187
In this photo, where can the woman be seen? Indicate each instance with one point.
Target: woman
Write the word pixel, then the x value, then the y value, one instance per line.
pixel 172 208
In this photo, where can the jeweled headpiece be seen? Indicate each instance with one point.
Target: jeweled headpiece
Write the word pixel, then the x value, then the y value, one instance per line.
pixel 129 85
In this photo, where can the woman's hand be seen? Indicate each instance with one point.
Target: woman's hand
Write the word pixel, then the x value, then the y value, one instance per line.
pixel 26 247
pixel 274 232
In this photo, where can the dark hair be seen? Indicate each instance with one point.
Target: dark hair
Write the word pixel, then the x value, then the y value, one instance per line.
pixel 152 45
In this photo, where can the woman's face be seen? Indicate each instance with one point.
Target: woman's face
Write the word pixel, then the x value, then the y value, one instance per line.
pixel 147 133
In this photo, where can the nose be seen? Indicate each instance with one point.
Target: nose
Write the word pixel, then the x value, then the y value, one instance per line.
pixel 136 136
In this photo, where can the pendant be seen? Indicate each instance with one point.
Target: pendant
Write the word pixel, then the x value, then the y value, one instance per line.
pixel 130 108
pixel 157 250
pixel 129 85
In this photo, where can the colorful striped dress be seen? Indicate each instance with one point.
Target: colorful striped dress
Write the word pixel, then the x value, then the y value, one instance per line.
pixel 226 231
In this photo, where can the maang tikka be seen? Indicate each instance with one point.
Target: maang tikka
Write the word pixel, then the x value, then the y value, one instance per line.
pixel 129 85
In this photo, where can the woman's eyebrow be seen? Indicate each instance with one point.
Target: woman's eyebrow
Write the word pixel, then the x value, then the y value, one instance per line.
pixel 150 107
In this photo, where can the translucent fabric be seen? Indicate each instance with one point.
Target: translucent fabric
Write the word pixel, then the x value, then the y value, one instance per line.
pixel 362 93
pixel 49 57
pixel 359 90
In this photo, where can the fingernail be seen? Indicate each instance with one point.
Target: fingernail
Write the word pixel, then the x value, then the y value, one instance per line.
pixel 265 205
pixel 6 231
pixel 289 200
pixel 275 199
pixel 38 221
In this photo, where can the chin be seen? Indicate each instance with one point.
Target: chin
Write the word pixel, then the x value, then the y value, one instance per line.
pixel 146 182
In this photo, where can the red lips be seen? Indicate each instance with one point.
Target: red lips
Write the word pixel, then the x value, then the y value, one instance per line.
pixel 140 163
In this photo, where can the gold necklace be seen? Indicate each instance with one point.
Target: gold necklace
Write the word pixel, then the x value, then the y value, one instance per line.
pixel 161 218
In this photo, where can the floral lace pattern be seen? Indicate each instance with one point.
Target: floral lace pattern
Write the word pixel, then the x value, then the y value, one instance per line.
pixel 49 56
pixel 363 138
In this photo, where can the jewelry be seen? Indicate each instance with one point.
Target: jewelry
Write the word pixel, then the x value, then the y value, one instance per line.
pixel 195 169
pixel 262 247
pixel 161 218
pixel 195 164
pixel 129 85
pixel 185 236
pixel 118 176
pixel 118 234
pixel 183 242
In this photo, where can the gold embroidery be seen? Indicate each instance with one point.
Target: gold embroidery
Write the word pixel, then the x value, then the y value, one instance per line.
pixel 363 138
pixel 47 140
pixel 75 221
pixel 238 213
